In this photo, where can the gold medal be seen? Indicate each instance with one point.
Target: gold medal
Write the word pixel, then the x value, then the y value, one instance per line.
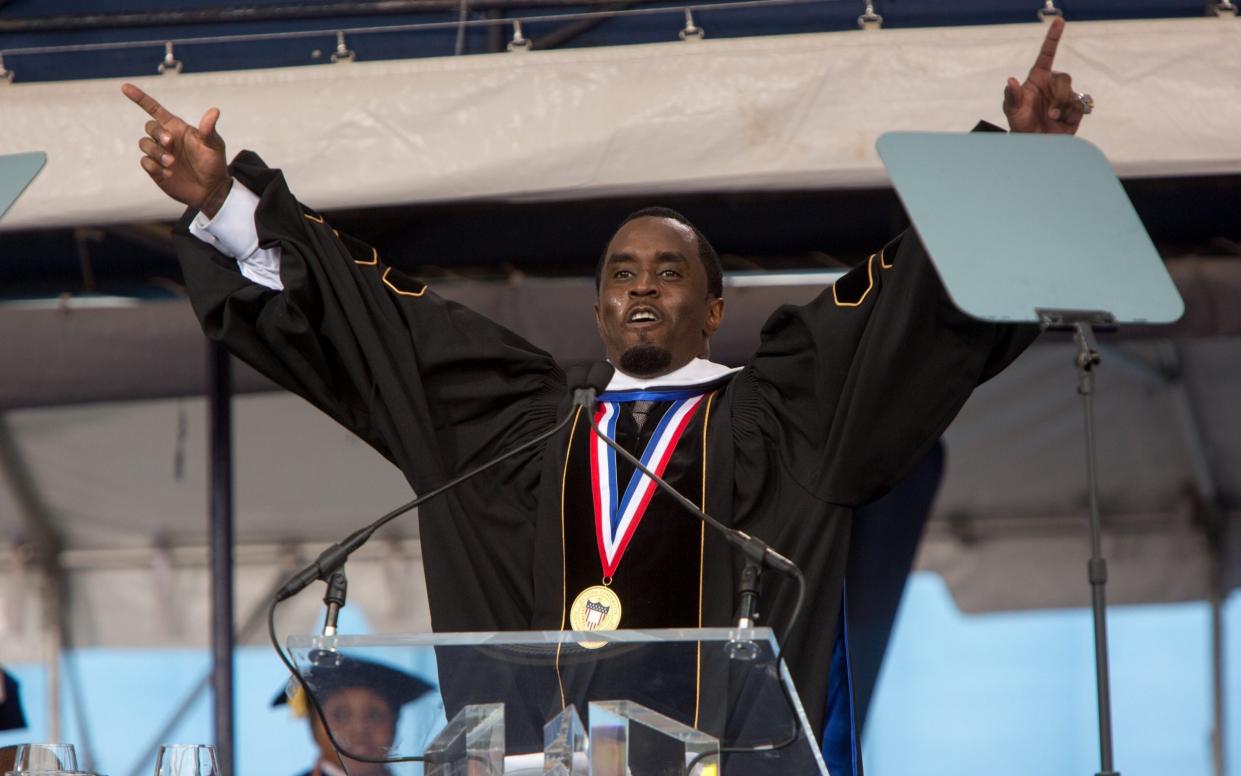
pixel 595 608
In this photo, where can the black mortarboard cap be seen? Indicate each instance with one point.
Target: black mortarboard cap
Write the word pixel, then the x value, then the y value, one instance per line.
pixel 332 671
pixel 11 717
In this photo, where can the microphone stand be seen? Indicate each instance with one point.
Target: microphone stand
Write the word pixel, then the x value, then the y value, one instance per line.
pixel 748 592
pixel 334 599
pixel 1083 323
pixel 747 611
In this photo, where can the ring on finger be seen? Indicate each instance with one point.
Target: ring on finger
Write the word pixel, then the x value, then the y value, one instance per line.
pixel 1085 101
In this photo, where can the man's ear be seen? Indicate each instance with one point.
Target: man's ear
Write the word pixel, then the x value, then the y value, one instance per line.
pixel 598 321
pixel 715 316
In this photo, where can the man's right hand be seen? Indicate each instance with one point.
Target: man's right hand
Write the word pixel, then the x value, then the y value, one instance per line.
pixel 188 163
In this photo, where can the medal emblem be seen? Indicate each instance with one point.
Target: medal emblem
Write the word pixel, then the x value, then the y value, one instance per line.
pixel 595 608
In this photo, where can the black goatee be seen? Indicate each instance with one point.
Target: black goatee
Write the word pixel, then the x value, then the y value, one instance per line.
pixel 645 361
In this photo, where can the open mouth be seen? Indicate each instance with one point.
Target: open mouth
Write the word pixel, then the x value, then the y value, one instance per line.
pixel 640 316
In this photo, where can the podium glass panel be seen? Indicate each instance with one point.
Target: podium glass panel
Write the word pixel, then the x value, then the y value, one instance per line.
pixel 628 738
pixel 472 743
pixel 695 677
pixel 564 745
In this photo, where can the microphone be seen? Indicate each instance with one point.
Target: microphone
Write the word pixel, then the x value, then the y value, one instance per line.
pixel 328 564
pixel 595 383
pixel 757 552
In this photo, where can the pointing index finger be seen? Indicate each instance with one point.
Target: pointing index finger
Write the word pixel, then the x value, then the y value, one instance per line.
pixel 1048 52
pixel 147 103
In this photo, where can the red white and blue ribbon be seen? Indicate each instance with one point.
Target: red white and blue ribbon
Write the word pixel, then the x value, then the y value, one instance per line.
pixel 617 515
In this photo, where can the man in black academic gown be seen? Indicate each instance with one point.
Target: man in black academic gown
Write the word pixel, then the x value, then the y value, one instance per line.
pixel 843 395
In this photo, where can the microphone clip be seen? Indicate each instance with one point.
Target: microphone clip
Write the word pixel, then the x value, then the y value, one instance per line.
pixel 334 598
pixel 747 594
pixel 584 397
pixel 739 647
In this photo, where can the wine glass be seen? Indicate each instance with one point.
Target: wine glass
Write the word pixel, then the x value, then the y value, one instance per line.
pixel 186 760
pixel 45 757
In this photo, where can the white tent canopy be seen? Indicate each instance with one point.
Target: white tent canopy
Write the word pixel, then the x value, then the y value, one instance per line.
pixel 753 113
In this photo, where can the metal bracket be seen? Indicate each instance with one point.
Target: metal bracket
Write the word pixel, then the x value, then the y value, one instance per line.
pixel 1049 11
pixel 869 20
pixel 691 31
pixel 1067 320
pixel 342 53
pixel 519 41
pixel 171 65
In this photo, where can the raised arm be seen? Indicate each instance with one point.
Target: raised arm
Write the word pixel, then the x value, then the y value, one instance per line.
pixel 429 383
pixel 857 384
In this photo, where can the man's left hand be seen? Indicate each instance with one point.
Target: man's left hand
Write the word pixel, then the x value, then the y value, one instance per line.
pixel 1046 101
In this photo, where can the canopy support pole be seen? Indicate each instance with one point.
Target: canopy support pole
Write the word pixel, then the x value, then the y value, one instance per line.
pixel 46 545
pixel 220 551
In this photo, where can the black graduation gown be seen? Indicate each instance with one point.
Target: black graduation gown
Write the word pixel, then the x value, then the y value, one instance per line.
pixel 844 394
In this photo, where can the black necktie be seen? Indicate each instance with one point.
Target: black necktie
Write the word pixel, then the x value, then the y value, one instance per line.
pixel 640 409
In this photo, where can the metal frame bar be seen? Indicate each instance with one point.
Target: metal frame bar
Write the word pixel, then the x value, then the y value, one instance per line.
pixel 46 545
pixel 485 22
pixel 293 12
pixel 220 538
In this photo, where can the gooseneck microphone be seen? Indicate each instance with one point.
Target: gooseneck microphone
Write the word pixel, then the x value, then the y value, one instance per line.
pixel 330 560
pixel 596 382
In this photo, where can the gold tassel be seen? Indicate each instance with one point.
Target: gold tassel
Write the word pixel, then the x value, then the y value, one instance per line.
pixel 298 705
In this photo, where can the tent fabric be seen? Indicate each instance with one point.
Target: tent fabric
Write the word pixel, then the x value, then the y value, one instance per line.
pixel 780 112
pixel 1010 529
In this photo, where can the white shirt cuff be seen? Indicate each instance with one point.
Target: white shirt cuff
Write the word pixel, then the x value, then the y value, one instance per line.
pixel 233 227
pixel 233 232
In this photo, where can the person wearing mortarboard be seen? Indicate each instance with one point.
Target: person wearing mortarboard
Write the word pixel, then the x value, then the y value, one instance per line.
pixel 361 701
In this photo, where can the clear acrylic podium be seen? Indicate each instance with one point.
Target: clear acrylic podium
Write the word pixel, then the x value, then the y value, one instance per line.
pixel 646 703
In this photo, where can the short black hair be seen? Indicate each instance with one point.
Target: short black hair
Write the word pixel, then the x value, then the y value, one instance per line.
pixel 706 252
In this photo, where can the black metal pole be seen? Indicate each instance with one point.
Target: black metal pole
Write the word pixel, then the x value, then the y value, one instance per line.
pixel 1087 360
pixel 220 529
